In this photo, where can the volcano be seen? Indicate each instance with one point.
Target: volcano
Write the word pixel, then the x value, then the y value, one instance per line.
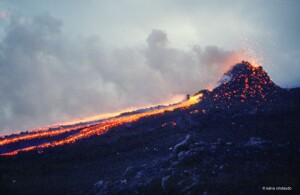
pixel 241 137
pixel 247 82
pixel 243 83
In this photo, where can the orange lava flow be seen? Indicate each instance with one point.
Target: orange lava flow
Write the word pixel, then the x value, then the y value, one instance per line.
pixel 90 130
pixel 38 135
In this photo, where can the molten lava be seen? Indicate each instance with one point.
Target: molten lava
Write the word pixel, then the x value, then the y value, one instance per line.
pixel 84 131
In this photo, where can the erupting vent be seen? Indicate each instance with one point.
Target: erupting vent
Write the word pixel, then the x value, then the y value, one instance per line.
pixel 242 83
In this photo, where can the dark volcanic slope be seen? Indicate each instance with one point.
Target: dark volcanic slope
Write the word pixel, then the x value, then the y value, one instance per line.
pixel 242 136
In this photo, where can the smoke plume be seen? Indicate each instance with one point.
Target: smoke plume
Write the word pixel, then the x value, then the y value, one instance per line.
pixel 49 77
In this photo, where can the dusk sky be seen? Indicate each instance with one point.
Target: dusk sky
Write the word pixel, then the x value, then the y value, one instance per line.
pixel 71 59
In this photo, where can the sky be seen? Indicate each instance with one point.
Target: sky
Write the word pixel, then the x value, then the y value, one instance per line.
pixel 64 60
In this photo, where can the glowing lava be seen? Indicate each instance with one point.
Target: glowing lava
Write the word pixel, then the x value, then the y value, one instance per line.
pixel 89 130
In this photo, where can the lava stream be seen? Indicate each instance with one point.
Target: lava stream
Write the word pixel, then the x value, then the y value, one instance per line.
pixel 38 135
pixel 90 130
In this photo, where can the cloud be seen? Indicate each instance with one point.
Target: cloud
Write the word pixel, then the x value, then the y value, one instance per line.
pixel 157 39
pixel 2 15
pixel 187 71
pixel 48 77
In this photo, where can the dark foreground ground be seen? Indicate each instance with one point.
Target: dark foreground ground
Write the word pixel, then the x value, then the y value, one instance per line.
pixel 214 147
pixel 233 155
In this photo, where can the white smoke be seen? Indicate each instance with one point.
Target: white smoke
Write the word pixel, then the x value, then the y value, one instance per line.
pixel 48 77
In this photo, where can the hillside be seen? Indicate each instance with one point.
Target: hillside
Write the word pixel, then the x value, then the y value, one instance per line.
pixel 240 137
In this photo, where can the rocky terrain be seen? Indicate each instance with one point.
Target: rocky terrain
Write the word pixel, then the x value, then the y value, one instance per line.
pixel 243 137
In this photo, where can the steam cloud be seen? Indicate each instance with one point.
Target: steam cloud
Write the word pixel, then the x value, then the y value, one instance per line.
pixel 2 15
pixel 47 77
